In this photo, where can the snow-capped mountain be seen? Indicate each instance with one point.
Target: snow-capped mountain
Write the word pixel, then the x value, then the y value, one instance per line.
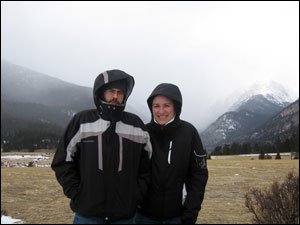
pixel 253 108
pixel 271 90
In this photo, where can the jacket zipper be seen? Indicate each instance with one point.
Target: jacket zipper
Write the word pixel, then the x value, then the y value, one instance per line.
pixel 170 152
pixel 169 162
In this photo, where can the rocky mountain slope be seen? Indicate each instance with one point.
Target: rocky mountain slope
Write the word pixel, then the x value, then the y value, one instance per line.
pixel 252 110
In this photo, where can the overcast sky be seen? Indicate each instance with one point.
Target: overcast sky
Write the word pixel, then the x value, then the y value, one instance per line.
pixel 208 49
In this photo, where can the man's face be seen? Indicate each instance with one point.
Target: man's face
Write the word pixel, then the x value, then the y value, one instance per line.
pixel 114 96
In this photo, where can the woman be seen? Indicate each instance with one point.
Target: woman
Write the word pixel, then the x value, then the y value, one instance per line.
pixel 179 171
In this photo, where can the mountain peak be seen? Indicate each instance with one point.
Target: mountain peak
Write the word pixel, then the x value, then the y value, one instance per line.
pixel 254 107
pixel 271 90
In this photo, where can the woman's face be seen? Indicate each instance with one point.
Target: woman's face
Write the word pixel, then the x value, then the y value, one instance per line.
pixel 163 109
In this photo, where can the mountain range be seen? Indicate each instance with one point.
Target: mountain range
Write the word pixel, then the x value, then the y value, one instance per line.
pixel 35 109
pixel 249 118
pixel 282 125
pixel 38 104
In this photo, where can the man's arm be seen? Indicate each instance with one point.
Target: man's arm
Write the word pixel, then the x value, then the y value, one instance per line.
pixel 64 165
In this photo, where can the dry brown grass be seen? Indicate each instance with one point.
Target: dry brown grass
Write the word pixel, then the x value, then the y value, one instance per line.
pixel 33 194
pixel 229 180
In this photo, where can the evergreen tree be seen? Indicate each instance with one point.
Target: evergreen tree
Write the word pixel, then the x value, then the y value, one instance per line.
pixel 226 149
pixel 235 149
pixel 278 156
pixel 246 148
pixel 294 142
pixel 218 151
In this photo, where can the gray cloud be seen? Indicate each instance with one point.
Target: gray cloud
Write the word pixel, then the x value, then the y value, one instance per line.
pixel 208 49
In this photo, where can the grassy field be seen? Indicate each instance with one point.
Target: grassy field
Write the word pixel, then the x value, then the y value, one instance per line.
pixel 33 194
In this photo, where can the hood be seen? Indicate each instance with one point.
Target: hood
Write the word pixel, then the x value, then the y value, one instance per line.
pixel 105 79
pixel 170 91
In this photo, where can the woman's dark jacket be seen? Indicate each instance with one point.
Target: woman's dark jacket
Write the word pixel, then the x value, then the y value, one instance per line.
pixel 178 160
pixel 103 159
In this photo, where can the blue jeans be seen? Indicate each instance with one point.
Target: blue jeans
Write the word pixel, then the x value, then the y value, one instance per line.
pixel 140 219
pixel 79 219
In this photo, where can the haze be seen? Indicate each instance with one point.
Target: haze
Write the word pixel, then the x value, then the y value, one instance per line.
pixel 208 49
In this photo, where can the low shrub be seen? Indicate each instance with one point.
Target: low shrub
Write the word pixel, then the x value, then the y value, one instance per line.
pixel 279 204
pixel 3 212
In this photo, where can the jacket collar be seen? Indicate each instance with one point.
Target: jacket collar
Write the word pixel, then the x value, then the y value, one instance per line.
pixel 166 123
pixel 169 127
pixel 111 112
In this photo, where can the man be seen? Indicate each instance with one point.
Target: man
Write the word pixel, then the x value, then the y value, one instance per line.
pixel 103 159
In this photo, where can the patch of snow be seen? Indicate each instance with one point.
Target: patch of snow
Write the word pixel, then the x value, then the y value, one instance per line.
pixel 14 157
pixel 44 121
pixel 231 127
pixel 9 220
pixel 244 155
pixel 220 130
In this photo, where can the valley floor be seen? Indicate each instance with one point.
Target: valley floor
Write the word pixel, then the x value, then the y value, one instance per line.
pixel 33 195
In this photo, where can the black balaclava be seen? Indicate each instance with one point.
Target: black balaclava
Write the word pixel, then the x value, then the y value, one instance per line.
pixel 108 80
pixel 119 84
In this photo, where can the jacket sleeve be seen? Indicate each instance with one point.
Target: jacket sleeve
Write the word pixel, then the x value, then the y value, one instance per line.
pixel 144 176
pixel 196 181
pixel 65 165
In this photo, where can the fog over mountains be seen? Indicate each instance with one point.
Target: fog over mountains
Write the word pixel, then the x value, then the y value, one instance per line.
pixel 271 90
pixel 20 85
pixel 36 107
pixel 34 103
pixel 251 118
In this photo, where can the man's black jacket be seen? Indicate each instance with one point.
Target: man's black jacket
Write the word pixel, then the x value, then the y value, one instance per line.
pixel 103 159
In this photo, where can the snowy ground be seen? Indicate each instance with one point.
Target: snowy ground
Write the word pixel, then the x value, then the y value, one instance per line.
pixel 9 220
pixel 37 157
pixel 247 155
pixel 24 160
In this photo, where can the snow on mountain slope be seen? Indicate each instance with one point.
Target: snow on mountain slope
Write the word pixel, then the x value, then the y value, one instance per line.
pixel 249 110
pixel 271 90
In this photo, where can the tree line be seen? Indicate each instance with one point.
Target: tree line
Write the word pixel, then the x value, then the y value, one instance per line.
pixel 30 139
pixel 290 144
pixel 48 138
